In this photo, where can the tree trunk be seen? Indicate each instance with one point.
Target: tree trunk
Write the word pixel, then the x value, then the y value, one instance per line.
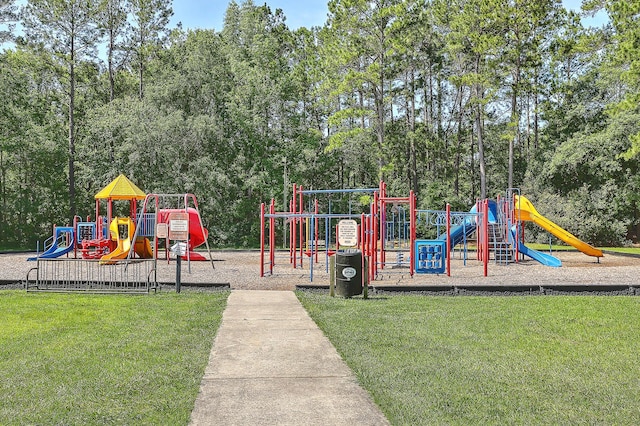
pixel 140 86
pixel 112 90
pixel 515 119
pixel 456 179
pixel 72 142
pixel 412 128
pixel 479 130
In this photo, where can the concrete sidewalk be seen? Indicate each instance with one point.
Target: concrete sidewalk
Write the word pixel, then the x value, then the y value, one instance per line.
pixel 270 364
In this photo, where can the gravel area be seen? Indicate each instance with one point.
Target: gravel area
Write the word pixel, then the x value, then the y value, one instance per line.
pixel 241 270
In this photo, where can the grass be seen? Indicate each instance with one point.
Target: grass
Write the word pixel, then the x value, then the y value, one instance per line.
pixel 97 359
pixel 491 360
pixel 556 247
pixel 628 250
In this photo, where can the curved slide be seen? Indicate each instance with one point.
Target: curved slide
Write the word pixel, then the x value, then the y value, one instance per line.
pixel 122 230
pixel 543 258
pixel 525 211
pixel 55 250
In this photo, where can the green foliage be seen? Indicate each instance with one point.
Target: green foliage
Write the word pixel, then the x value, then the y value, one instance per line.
pixel 450 99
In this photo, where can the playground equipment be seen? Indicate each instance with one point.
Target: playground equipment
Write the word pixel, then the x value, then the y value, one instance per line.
pixel 180 222
pixel 197 234
pixel 525 211
pixel 301 245
pixel 493 227
pixel 122 231
pixel 109 243
pixel 110 239
pixel 306 235
pixel 62 242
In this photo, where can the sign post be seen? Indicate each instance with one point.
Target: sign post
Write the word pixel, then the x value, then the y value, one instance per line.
pixel 179 231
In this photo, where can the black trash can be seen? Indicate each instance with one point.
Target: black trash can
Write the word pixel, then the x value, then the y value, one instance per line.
pixel 349 274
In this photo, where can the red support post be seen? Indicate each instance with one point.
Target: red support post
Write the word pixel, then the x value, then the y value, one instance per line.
pixel 374 234
pixel 412 231
pixel 272 236
pixel 516 223
pixel 293 249
pixel 301 233
pixel 262 239
pixel 478 231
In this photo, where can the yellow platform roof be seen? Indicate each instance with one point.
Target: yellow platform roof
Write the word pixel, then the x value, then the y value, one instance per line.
pixel 121 188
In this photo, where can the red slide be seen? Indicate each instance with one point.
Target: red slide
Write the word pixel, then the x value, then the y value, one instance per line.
pixel 196 235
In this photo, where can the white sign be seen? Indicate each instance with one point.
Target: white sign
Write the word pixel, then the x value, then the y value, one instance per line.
pixel 178 226
pixel 179 249
pixel 348 233
pixel 162 231
pixel 349 272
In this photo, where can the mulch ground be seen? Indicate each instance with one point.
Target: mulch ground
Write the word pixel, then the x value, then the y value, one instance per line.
pixel 241 270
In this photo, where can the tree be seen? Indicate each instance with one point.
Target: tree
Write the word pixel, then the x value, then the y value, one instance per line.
pixel 113 21
pixel 68 30
pixel 8 17
pixel 477 38
pixel 149 30
pixel 528 22
pixel 358 49
pixel 31 183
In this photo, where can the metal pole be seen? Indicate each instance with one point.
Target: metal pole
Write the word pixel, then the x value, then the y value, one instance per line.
pixel 294 222
pixel 486 233
pixel 262 239
pixel 178 270
pixel 272 236
pixel 448 225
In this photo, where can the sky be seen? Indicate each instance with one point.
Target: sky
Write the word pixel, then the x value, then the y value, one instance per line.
pixel 209 14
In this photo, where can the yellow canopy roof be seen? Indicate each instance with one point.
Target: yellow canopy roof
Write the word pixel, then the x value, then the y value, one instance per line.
pixel 121 188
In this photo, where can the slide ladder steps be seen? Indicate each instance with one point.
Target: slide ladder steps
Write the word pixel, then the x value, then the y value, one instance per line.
pixel 499 245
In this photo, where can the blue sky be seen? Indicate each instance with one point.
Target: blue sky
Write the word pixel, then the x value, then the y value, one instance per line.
pixel 210 13
pixel 299 13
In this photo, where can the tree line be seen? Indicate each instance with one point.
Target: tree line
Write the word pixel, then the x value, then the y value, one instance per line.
pixel 453 99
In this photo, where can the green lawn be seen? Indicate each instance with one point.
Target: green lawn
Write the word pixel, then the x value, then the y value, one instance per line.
pixel 98 359
pixel 557 247
pixel 491 360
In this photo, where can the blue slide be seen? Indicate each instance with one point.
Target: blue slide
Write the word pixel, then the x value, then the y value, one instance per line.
pixel 55 250
pixel 545 259
pixel 469 226
pixel 458 233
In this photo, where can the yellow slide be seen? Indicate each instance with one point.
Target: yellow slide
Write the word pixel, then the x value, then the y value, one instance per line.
pixel 525 211
pixel 122 230
pixel 143 248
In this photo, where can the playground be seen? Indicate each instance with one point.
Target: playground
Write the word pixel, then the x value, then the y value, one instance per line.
pixel 406 249
pixel 402 246
pixel 118 250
